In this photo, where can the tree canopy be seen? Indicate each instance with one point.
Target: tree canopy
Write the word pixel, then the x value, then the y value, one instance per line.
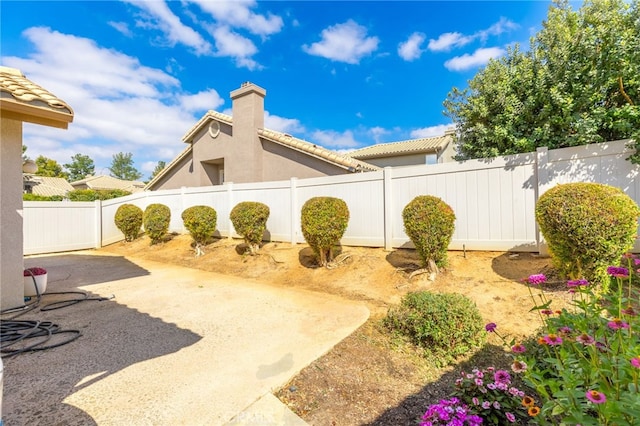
pixel 159 167
pixel 122 167
pixel 49 167
pixel 80 167
pixel 579 83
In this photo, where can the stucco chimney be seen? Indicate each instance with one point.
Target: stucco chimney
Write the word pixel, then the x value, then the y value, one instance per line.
pixel 248 117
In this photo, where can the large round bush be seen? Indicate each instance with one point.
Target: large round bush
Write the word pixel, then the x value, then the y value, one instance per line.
pixel 201 223
pixel 588 226
pixel 443 324
pixel 429 222
pixel 249 219
pixel 128 219
pixel 324 221
pixel 156 220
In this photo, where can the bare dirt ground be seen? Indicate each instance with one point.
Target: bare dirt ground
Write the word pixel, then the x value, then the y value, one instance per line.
pixel 370 378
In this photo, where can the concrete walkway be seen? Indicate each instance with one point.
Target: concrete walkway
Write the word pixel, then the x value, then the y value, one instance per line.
pixel 175 346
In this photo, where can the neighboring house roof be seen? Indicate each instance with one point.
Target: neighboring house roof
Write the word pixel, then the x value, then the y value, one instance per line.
pixel 23 100
pixel 47 186
pixel 109 182
pixel 316 151
pixel 413 146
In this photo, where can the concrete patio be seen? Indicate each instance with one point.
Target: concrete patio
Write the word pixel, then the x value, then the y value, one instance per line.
pixel 175 346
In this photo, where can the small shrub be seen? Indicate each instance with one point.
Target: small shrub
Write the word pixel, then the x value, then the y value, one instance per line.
pixel 128 219
pixel 588 227
pixel 429 222
pixel 156 221
pixel 93 194
pixel 201 222
pixel 250 220
pixel 444 325
pixel 324 221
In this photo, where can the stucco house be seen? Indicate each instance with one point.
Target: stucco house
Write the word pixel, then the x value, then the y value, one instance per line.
pixel 21 100
pixel 438 149
pixel 101 182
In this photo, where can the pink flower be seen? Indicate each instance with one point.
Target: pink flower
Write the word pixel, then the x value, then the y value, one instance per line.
pixel 546 312
pixel 629 311
pixel 496 405
pixel 585 339
pixel 491 327
pixel 596 397
pixel 478 382
pixel 35 271
pixel 617 324
pixel 519 366
pixel 502 376
pixel 635 362
pixel 552 339
pixel 518 348
pixel 618 272
pixel 475 400
pixel 486 405
pixel 510 417
pixel 565 330
pixel 577 283
pixel 536 279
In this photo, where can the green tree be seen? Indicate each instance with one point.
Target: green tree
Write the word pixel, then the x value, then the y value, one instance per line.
pixel 159 167
pixel 579 83
pixel 122 167
pixel 80 167
pixel 49 167
pixel 25 157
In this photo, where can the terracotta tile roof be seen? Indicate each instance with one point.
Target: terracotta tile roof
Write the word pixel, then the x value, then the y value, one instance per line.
pixel 48 186
pixel 20 96
pixel 329 156
pixel 209 115
pixel 413 146
pixel 109 182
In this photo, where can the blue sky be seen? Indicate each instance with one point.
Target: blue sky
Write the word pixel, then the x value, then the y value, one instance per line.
pixel 340 74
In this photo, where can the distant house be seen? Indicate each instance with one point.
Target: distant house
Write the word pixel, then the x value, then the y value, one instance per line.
pixel 433 150
pixel 45 185
pixel 104 182
pixel 222 148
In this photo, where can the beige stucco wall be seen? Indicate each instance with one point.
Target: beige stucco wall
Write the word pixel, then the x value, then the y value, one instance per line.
pixel 403 160
pixel 282 163
pixel 11 258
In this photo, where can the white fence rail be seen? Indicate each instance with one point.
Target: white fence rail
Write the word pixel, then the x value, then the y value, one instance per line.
pixel 493 199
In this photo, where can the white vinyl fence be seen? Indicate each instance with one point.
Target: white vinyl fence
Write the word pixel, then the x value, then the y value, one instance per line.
pixel 493 199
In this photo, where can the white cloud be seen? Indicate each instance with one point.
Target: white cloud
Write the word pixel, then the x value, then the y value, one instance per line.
pixel 378 132
pixel 202 101
pixel 236 46
pixel 122 28
pixel 411 49
pixel 281 124
pixel 346 42
pixel 119 104
pixel 237 14
pixel 478 58
pixel 162 18
pixel 447 41
pixel 333 139
pixel 430 132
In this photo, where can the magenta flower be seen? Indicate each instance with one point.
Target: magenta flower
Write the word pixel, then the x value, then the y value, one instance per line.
pixel 518 348
pixel 552 339
pixel 585 339
pixel 617 324
pixel 510 417
pixel 491 327
pixel 501 376
pixel 577 283
pixel 565 330
pixel 618 272
pixel 635 362
pixel 536 279
pixel 546 312
pixel 478 382
pixel 596 397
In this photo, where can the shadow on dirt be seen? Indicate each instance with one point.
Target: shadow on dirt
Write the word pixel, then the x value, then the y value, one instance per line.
pixel 308 258
pixel 406 259
pixel 412 408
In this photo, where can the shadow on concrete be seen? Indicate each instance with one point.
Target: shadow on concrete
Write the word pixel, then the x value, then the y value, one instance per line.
pixel 411 409
pixel 114 337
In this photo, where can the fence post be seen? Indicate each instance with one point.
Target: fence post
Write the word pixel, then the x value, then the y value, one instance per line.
pixel 542 182
pixel 97 205
pixel 293 191
pixel 387 205
pixel 229 186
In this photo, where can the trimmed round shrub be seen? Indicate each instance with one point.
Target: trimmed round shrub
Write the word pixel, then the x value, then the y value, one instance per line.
pixel 128 219
pixel 156 221
pixel 588 226
pixel 444 325
pixel 249 219
pixel 201 222
pixel 429 222
pixel 324 221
